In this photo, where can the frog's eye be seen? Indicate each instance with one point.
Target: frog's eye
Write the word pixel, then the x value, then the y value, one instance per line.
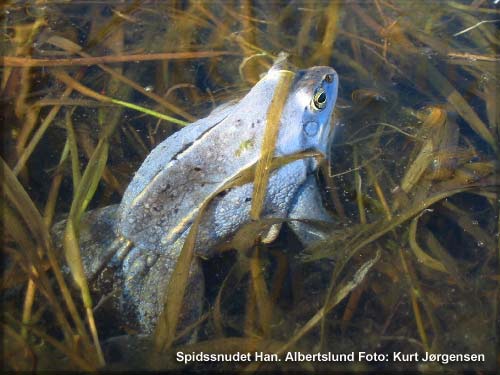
pixel 319 99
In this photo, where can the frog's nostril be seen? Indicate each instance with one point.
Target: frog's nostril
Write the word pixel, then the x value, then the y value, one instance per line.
pixel 329 78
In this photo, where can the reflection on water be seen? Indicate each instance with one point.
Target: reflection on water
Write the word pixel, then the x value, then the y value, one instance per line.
pixel 410 263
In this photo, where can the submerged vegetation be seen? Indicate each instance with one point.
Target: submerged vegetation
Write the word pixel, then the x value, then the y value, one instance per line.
pixel 411 263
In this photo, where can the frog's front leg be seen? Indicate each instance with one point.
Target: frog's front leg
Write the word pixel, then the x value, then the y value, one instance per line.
pixel 307 205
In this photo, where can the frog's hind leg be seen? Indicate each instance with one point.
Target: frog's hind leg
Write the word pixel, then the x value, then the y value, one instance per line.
pixel 98 239
pixel 100 245
pixel 145 286
pixel 102 251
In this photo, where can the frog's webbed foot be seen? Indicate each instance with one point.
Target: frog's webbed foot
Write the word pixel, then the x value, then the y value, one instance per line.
pixel 307 206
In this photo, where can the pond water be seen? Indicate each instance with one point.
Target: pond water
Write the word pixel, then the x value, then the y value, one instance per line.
pixel 407 269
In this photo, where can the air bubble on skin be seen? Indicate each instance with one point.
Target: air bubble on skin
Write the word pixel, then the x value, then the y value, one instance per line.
pixel 150 260
pixel 137 266
pixel 480 243
pixel 475 222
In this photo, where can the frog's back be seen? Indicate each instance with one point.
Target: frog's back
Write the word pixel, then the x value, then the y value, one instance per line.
pixel 187 167
pixel 162 154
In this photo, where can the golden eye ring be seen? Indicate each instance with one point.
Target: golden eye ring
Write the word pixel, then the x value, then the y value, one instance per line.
pixel 319 99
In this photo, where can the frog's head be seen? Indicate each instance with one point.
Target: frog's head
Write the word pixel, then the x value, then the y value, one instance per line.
pixel 306 117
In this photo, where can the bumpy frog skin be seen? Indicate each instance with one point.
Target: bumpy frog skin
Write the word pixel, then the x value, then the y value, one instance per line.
pixel 164 196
